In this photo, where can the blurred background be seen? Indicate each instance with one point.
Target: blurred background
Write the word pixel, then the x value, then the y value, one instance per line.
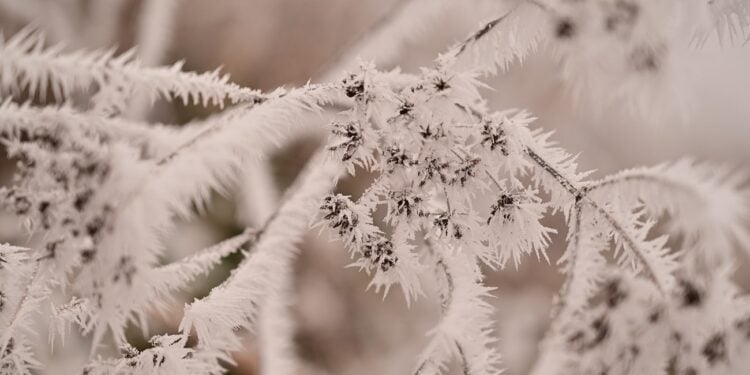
pixel 264 44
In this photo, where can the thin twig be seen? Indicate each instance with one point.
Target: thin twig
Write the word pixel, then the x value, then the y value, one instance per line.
pixel 446 298
pixel 573 254
pixel 494 180
pixel 477 35
pixel 17 314
pixel 580 194
pixel 248 237
pixel 254 236
pixel 211 128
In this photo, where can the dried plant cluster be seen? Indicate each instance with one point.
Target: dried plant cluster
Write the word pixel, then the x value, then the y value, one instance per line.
pixel 650 253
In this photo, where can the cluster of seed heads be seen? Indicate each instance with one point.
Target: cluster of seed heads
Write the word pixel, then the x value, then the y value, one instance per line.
pixel 493 136
pixel 379 251
pixel 354 86
pixel 406 203
pixel 504 207
pixel 350 135
pixel 336 211
pixel 433 168
pixel 464 171
pixel 446 226
pixel 373 246
pixel 396 156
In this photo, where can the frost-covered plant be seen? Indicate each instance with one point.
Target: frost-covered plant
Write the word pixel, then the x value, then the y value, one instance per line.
pixel 464 189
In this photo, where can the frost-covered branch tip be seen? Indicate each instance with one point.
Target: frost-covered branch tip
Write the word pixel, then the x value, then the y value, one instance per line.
pixel 29 64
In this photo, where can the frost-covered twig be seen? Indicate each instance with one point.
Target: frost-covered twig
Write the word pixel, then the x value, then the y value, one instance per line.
pixel 18 307
pixel 506 38
pixel 28 64
pixel 649 255
pixel 464 330
pixel 446 288
pixel 308 98
pixel 62 120
pixel 236 302
pixel 156 191
pixel 276 329
pixel 177 274
pixel 706 205
pixel 460 48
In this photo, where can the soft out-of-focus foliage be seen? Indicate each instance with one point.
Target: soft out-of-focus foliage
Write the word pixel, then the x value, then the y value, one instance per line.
pixel 461 190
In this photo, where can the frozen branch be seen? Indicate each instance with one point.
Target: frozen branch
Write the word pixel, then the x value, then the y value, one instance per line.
pixel 28 64
pixel 236 302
